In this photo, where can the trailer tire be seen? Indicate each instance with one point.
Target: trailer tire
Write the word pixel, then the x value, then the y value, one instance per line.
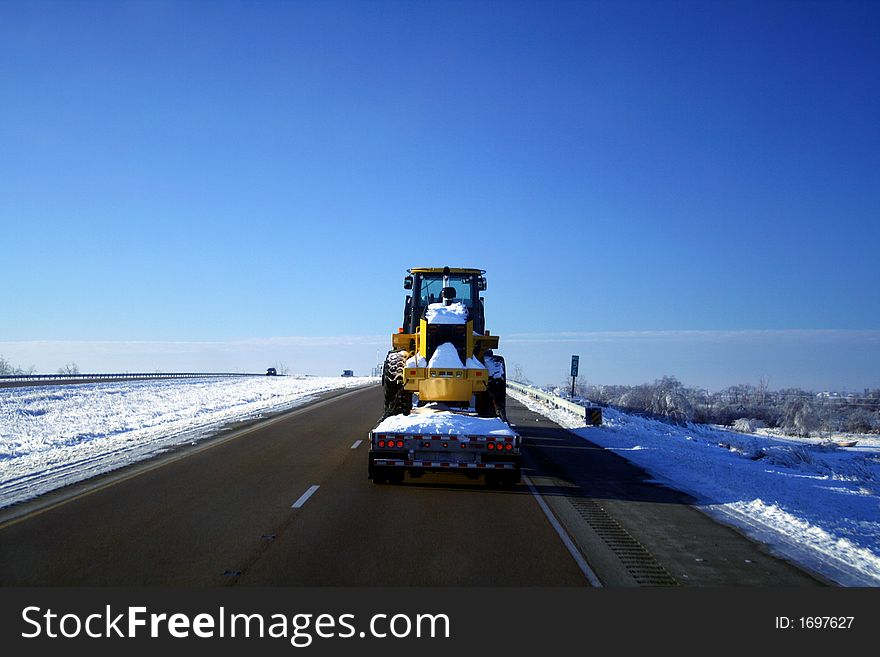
pixel 510 479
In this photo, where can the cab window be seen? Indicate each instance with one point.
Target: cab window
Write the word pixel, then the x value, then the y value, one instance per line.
pixel 431 287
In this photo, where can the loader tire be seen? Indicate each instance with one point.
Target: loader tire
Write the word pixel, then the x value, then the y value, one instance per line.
pixel 497 384
pixel 483 405
pixel 397 400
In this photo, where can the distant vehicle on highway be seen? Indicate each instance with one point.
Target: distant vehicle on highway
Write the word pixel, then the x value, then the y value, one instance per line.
pixel 271 371
pixel 347 372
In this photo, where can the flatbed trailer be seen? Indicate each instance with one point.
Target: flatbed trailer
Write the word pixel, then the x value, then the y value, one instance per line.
pixel 437 439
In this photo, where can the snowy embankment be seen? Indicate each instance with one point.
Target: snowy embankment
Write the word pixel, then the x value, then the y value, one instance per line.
pixel 52 436
pixel 817 505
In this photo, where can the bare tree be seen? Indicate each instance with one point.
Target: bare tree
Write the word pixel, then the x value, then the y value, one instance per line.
pixel 763 385
pixel 517 374
pixel 6 368
pixel 69 369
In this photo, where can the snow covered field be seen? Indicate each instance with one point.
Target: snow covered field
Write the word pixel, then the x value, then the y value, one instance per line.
pixel 51 436
pixel 816 505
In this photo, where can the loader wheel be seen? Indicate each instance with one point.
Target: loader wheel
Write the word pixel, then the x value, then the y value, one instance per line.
pixel 483 405
pixel 497 385
pixel 397 400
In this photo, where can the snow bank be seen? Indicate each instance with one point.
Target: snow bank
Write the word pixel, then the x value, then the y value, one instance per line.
pixel 51 436
pixel 439 313
pixel 816 505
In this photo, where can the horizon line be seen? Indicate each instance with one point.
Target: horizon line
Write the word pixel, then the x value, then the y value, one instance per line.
pixel 558 336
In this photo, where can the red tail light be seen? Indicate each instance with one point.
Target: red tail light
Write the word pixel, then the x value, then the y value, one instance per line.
pixel 508 446
pixel 381 443
pixel 490 446
pixel 400 443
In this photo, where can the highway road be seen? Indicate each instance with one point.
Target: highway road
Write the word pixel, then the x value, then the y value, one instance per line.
pixel 286 502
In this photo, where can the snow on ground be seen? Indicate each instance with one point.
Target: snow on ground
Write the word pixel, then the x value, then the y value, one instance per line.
pixel 51 436
pixel 817 505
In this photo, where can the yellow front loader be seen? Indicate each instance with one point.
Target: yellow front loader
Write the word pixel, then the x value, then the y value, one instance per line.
pixel 443 352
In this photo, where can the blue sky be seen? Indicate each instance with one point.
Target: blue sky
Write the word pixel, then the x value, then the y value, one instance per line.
pixel 215 185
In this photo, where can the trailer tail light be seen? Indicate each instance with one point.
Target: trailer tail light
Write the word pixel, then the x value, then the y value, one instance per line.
pixel 381 443
pixel 490 446
pixel 400 443
pixel 508 446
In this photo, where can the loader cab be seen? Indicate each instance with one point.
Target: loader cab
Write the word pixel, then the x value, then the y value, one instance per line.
pixel 427 286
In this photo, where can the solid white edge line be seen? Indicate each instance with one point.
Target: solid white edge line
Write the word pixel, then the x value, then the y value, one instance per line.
pixel 357 443
pixel 564 537
pixel 305 497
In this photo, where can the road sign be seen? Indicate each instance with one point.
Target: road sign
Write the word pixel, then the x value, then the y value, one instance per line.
pixel 574 365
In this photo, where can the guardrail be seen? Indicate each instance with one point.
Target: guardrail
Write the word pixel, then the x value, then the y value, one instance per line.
pixel 117 377
pixel 591 414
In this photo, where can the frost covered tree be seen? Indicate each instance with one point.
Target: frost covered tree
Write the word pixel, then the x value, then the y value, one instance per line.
pixel 862 421
pixel 669 398
pixel 636 398
pixel 799 417
pixel 69 368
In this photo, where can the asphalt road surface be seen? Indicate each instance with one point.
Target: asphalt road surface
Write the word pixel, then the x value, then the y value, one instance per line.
pixel 286 502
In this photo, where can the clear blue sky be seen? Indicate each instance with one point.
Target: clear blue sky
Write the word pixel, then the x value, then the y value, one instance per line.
pixel 230 172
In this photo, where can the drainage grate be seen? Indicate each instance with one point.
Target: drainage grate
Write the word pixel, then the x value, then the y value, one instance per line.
pixel 635 558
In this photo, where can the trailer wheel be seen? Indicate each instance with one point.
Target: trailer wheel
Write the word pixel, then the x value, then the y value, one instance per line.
pixel 493 480
pixel 510 479
pixel 507 479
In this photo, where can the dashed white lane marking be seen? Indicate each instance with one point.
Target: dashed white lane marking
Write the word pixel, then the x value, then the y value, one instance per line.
pixel 357 443
pixel 563 535
pixel 305 497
